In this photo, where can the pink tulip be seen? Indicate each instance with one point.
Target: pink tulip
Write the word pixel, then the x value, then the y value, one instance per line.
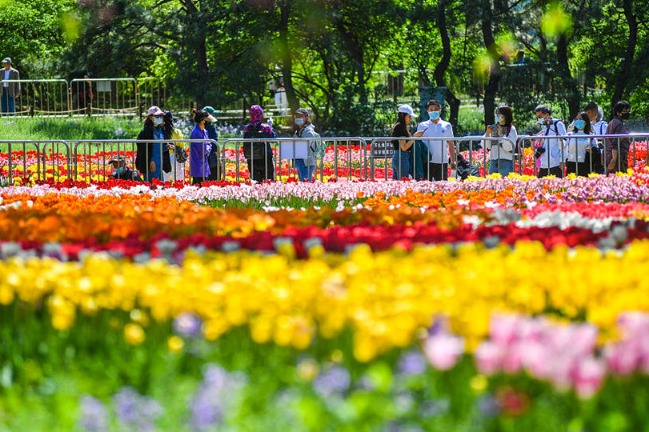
pixel 443 350
pixel 588 377
pixel 503 328
pixel 512 362
pixel 488 358
pixel 534 358
pixel 622 358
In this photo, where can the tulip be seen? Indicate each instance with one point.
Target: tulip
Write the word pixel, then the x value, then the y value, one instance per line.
pixel 588 376
pixel 443 350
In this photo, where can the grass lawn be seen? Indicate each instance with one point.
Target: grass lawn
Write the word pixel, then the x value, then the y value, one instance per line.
pixel 80 128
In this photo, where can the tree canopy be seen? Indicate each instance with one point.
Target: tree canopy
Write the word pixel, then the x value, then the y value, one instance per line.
pixel 349 61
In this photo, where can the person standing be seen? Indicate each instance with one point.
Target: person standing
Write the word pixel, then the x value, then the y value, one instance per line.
pixel 438 152
pixel 199 151
pixel 176 149
pixel 259 155
pixel 213 158
pixel 281 101
pixel 501 154
pixel 10 90
pixel 404 161
pixel 550 151
pixel 595 116
pixel 617 149
pixel 305 129
pixel 81 90
pixel 152 155
pixel 579 146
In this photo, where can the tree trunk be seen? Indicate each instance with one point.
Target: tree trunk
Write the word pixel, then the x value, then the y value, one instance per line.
pixel 287 59
pixel 442 66
pixel 569 83
pixel 358 57
pixel 491 89
pixel 625 71
pixel 203 70
pixel 198 39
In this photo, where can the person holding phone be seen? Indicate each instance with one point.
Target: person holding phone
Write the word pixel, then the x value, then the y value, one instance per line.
pixel 406 152
pixel 501 152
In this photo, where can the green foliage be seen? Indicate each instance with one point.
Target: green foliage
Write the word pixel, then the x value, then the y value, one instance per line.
pixel 221 53
pixel 32 34
pixel 273 388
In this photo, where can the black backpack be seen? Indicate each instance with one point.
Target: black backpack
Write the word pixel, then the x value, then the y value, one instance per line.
pixel 594 158
pixel 256 150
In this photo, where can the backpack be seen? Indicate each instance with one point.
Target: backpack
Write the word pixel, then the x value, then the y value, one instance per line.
pixel 556 128
pixel 318 147
pixel 256 150
pixel 179 151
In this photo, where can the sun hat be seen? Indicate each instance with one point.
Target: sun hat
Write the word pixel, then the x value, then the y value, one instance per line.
pixel 407 109
pixel 211 110
pixel 117 159
pixel 203 115
pixel 155 111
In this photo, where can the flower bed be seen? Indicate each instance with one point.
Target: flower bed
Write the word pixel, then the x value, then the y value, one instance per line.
pixel 337 306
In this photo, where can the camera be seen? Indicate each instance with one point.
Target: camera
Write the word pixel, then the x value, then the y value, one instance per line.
pixel 539 152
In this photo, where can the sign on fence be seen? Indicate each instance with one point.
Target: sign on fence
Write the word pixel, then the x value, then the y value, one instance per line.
pixel 381 149
pixel 294 150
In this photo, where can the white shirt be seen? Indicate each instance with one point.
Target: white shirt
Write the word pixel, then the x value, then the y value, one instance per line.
pixel 576 147
pixel 437 149
pixel 501 149
pixel 7 72
pixel 599 128
pixel 553 154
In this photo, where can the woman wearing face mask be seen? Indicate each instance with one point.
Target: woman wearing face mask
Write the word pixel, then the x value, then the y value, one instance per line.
pixel 153 156
pixel 305 129
pixel 199 151
pixel 403 160
pixel 501 153
pixel 579 145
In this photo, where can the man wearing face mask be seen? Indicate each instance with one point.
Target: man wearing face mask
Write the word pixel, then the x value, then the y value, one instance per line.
pixel 550 152
pixel 617 149
pixel 305 129
pixel 438 150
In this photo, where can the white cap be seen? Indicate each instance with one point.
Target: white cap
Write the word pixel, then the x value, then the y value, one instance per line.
pixel 407 109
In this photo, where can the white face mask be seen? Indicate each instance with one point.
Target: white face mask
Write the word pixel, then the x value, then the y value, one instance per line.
pixel 157 121
pixel 299 121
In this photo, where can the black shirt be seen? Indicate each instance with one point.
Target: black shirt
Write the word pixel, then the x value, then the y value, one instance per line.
pixel 399 130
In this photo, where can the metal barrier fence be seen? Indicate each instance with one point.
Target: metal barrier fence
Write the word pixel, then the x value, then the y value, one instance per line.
pixel 425 148
pixel 41 97
pixel 90 96
pixel 111 96
pixel 154 91
pixel 583 154
pixel 346 158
